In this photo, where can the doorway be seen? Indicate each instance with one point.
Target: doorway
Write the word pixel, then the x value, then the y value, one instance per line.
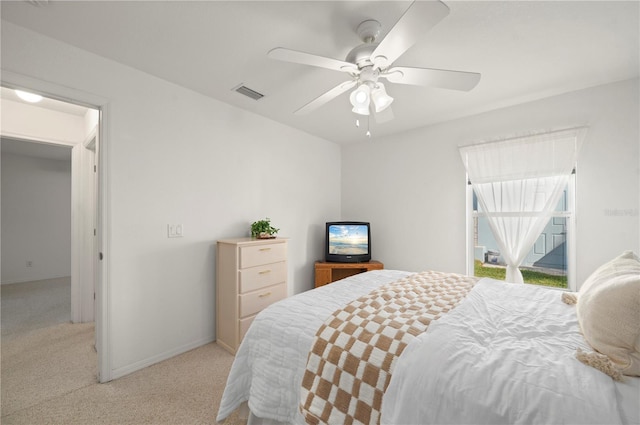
pixel 78 131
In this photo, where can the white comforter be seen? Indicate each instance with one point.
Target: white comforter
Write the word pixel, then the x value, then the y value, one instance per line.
pixel 504 355
pixel 272 358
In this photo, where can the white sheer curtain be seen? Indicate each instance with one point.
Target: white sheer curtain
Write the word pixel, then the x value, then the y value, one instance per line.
pixel 518 183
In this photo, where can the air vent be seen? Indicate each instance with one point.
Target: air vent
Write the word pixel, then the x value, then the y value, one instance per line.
pixel 242 89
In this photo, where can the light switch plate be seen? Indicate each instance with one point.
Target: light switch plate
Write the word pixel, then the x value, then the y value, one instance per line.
pixel 175 230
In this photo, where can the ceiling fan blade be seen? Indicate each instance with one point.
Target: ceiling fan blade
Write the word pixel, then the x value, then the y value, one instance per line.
pixel 419 18
pixel 326 97
pixel 454 80
pixel 295 56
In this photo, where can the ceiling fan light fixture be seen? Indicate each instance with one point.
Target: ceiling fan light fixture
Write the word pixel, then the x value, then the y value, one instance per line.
pixel 360 99
pixel 375 58
pixel 380 98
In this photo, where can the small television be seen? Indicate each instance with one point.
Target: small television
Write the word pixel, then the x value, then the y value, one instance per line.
pixel 348 242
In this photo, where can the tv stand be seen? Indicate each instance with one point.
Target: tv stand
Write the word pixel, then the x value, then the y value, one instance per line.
pixel 330 272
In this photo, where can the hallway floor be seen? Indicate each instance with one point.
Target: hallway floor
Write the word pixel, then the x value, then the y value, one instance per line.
pixel 34 305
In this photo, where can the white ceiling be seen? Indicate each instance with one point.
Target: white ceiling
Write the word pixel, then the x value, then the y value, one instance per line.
pixel 525 50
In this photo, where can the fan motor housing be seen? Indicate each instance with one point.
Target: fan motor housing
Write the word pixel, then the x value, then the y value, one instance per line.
pixel 361 55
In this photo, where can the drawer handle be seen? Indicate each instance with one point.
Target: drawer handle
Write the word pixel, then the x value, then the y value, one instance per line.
pixel 264 295
pixel 264 272
pixel 265 249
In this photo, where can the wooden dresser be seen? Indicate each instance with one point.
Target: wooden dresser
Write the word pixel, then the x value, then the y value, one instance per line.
pixel 251 274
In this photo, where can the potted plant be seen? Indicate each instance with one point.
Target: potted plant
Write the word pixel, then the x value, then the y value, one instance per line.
pixel 262 229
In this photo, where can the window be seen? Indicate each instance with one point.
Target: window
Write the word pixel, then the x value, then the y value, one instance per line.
pixel 549 262
pixel 520 205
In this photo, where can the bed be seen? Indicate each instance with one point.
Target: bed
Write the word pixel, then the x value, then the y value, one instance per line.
pixel 503 354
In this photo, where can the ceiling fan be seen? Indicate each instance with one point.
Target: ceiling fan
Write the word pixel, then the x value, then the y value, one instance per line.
pixel 369 62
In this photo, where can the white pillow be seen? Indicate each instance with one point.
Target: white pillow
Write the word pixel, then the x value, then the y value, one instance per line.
pixel 608 311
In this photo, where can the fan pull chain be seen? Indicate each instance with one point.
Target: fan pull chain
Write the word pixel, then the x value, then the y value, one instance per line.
pixel 368 133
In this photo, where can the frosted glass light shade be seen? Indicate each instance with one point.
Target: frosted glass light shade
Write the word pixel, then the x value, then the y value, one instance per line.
pixel 360 99
pixel 361 111
pixel 380 98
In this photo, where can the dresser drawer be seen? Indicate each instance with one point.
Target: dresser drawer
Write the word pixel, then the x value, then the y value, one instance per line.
pixel 251 256
pixel 258 277
pixel 256 301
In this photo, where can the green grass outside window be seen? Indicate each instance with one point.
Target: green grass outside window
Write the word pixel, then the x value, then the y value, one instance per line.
pixel 529 276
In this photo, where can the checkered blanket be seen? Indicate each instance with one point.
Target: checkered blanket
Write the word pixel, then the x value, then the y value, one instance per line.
pixel 354 352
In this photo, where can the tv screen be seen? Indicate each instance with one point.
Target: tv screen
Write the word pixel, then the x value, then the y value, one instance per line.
pixel 348 242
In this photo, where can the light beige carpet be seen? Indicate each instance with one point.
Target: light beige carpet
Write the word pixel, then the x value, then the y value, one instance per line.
pixel 34 305
pixel 48 376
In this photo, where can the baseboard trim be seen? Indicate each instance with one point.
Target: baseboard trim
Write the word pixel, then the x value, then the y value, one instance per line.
pixel 11 282
pixel 126 370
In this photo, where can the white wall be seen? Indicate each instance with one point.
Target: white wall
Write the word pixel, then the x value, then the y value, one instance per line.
pixel 175 156
pixel 412 186
pixel 36 218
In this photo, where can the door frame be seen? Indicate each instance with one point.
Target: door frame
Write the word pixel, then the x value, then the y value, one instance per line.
pixel 102 272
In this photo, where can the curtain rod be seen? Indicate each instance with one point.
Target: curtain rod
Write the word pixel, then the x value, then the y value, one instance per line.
pixel 541 133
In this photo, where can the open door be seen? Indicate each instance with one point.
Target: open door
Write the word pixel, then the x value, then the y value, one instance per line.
pixel 95 261
pixel 84 248
pixel 101 244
